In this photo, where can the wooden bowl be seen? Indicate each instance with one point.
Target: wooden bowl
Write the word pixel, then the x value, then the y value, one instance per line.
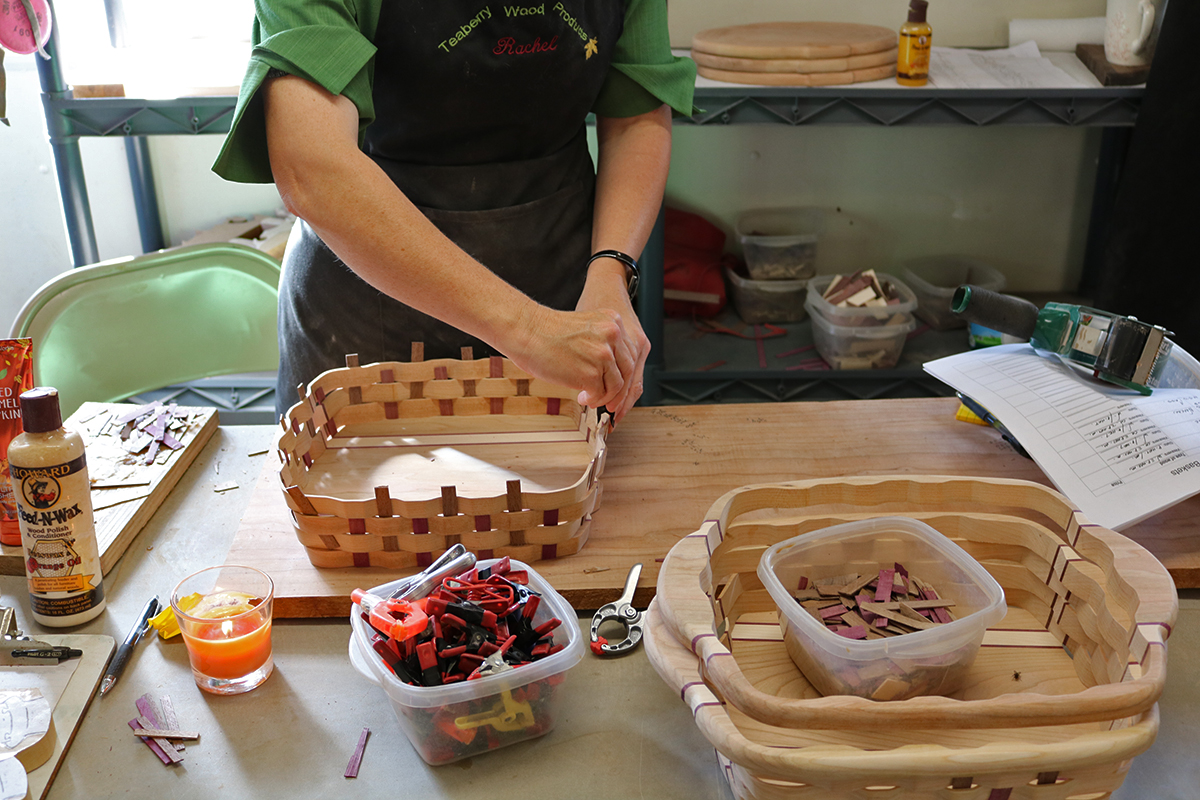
pixel 764 762
pixel 1083 640
pixel 390 464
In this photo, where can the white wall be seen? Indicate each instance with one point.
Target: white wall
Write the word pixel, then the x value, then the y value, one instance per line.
pixel 1018 196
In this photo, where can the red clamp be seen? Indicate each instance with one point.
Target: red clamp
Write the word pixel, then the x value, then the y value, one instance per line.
pixel 398 619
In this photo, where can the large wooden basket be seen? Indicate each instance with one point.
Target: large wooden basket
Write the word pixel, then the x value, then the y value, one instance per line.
pixel 1083 642
pixel 389 464
pixel 763 762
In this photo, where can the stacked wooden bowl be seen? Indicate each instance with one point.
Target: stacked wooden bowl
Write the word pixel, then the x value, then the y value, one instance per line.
pixel 796 53
pixel 1061 696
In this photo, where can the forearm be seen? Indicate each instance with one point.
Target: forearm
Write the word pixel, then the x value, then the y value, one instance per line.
pixel 360 214
pixel 634 157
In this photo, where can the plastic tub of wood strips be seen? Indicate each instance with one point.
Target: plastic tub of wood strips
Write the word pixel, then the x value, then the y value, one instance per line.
pixel 390 464
pixel 1080 648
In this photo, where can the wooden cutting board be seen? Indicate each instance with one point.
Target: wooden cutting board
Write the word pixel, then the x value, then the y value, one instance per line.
pixel 666 466
pixel 798 79
pixel 795 40
pixel 802 65
pixel 124 495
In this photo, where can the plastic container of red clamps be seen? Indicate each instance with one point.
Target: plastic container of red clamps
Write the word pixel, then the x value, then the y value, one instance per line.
pixel 450 723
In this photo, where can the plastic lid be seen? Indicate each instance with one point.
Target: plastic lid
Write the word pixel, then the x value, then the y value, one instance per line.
pixel 916 10
pixel 40 411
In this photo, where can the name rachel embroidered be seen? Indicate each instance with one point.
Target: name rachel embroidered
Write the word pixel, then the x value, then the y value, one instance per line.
pixel 508 46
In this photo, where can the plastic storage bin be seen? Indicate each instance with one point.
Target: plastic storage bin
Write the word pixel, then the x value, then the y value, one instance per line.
pixel 934 280
pixel 525 700
pixel 767 301
pixel 859 316
pixel 780 243
pixel 932 661
pixel 859 347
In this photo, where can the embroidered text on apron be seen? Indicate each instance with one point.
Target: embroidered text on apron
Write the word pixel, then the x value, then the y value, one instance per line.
pixel 480 113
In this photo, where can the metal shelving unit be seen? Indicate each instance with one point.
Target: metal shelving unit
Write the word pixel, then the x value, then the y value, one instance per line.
pixel 671 376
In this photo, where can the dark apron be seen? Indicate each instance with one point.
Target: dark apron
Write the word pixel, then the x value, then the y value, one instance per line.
pixel 480 114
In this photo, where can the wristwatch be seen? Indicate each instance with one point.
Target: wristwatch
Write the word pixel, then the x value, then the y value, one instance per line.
pixel 632 274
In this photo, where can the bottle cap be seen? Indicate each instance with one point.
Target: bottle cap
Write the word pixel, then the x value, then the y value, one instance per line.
pixel 916 10
pixel 40 411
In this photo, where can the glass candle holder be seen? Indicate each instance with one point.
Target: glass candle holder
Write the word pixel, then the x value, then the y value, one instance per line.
pixel 224 614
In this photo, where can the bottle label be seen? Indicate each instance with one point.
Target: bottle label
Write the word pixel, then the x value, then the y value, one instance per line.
pixel 913 59
pixel 58 533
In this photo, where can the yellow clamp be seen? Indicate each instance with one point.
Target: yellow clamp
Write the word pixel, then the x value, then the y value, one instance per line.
pixel 165 622
pixel 508 715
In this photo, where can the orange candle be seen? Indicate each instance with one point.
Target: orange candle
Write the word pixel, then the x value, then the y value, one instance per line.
pixel 229 648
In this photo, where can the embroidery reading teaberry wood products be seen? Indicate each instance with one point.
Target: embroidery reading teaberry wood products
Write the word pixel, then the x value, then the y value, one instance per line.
pixel 465 30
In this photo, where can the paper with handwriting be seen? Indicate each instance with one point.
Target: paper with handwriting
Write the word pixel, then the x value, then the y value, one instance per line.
pixel 1119 456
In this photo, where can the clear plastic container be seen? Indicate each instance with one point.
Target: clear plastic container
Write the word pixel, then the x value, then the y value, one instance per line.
pixel 780 243
pixel 872 315
pixel 525 699
pixel 859 346
pixel 767 301
pixel 933 661
pixel 934 279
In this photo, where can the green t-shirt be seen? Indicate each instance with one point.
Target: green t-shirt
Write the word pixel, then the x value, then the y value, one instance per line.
pixel 331 43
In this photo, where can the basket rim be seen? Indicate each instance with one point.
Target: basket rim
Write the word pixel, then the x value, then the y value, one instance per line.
pixel 689 615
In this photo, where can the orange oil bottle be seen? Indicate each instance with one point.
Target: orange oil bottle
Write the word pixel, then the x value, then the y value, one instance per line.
pixel 912 63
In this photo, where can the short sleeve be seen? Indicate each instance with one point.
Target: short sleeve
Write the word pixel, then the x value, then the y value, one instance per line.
pixel 645 73
pixel 327 42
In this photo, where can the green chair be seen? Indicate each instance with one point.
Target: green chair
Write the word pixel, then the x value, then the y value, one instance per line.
pixel 108 331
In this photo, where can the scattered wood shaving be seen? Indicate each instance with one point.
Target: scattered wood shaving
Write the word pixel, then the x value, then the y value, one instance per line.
pixel 225 487
pixel 165 734
pixel 590 570
pixel 356 758
pixel 259 452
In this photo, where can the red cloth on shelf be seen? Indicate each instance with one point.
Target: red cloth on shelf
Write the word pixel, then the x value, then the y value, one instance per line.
pixel 692 262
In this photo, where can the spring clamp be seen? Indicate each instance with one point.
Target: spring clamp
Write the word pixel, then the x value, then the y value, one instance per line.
pixel 623 612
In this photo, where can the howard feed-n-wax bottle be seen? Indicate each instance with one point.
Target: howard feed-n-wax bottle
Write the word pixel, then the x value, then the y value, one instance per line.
pixel 916 37
pixel 54 504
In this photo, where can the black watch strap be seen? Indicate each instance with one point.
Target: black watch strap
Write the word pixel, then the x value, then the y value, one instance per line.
pixel 633 275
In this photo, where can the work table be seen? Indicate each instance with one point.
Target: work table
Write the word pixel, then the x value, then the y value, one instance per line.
pixel 622 732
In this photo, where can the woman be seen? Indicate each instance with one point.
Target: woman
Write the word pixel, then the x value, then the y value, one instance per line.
pixel 436 155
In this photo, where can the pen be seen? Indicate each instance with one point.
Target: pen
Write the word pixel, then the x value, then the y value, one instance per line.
pixel 990 419
pixel 126 649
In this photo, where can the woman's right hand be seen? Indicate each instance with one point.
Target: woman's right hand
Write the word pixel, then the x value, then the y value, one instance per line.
pixel 585 350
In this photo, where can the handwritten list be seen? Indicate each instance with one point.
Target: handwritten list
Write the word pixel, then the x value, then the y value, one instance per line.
pixel 1119 456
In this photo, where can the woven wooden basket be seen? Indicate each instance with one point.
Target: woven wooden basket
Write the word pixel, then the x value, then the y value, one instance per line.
pixel 762 762
pixel 1083 641
pixel 389 464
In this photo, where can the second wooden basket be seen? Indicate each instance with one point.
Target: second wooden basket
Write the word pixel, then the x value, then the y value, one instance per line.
pixel 1083 640
pixel 389 464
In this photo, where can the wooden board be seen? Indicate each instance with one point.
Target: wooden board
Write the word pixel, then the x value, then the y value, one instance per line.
pixel 1108 73
pixel 802 65
pixel 73 703
pixel 122 511
pixel 798 79
pixel 795 40
pixel 667 465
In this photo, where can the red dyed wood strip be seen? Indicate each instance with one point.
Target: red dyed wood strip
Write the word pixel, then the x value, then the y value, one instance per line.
pixel 356 758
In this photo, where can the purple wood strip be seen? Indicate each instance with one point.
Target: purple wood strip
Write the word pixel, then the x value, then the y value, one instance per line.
pixel 136 723
pixel 883 592
pixel 356 759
